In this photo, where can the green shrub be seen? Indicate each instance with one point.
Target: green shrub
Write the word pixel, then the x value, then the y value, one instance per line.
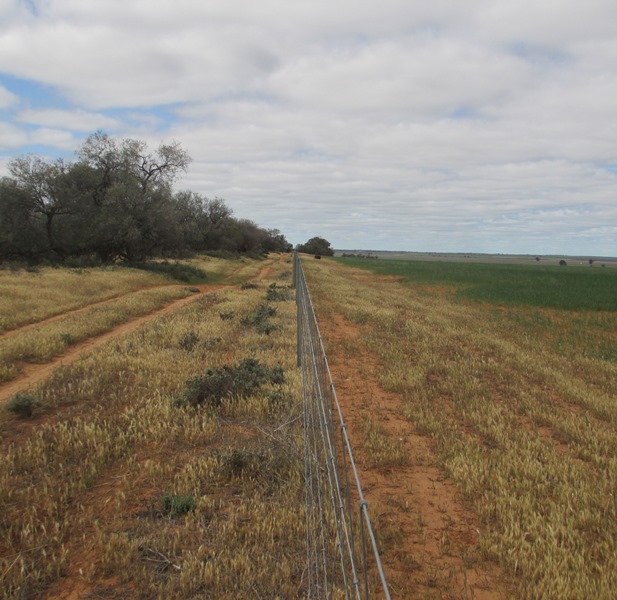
pixel 189 340
pixel 228 382
pixel 178 271
pixel 178 505
pixel 278 294
pixel 23 404
pixel 259 318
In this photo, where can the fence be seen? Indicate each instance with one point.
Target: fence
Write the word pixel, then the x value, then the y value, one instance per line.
pixel 341 546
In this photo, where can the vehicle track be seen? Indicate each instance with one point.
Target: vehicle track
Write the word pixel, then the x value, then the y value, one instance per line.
pixel 31 374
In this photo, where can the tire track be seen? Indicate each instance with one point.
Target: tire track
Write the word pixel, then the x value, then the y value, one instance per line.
pixel 31 374
pixel 34 373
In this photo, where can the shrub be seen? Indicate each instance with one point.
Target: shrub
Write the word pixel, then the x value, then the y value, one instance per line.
pixel 228 382
pixel 189 340
pixel 278 294
pixel 178 505
pixel 259 318
pixel 179 271
pixel 23 404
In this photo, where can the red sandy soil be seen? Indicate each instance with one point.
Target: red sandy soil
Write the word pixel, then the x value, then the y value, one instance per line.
pixel 428 533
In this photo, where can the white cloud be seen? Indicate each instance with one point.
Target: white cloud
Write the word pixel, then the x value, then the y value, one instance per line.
pixel 6 98
pixel 410 125
pixel 56 138
pixel 76 120
pixel 11 137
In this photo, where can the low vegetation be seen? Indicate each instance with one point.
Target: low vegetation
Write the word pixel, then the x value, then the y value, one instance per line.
pixel 547 286
pixel 29 296
pixel 45 341
pixel 516 396
pixel 115 490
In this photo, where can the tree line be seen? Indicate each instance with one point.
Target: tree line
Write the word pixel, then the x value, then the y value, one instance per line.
pixel 116 202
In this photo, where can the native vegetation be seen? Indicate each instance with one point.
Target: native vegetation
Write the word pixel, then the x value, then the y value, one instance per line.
pixel 167 463
pixel 116 202
pixel 317 246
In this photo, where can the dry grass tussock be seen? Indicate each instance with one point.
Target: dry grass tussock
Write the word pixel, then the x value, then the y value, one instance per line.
pixel 125 490
pixel 525 427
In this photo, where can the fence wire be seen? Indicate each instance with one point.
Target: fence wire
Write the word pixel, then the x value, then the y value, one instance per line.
pixel 341 546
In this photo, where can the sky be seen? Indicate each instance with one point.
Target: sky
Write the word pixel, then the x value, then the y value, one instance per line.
pixel 441 126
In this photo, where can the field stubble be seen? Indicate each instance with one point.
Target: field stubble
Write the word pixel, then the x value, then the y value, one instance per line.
pixel 526 429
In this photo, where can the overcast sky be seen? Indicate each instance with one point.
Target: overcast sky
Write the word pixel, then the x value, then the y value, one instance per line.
pixel 441 125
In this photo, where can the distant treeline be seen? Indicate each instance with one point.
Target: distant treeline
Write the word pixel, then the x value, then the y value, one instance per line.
pixel 352 255
pixel 116 202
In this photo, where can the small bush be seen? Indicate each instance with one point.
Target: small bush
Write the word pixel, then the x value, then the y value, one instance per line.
pixel 259 318
pixel 67 338
pixel 23 404
pixel 178 271
pixel 266 467
pixel 278 294
pixel 228 382
pixel 178 505
pixel 188 340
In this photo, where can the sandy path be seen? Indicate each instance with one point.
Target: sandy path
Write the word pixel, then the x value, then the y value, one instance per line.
pixel 31 374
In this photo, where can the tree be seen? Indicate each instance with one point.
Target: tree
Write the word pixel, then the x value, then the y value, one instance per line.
pixel 317 245
pixel 22 233
pixel 116 202
pixel 134 208
pixel 46 191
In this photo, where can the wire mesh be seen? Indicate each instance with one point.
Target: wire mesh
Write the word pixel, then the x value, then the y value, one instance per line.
pixel 342 554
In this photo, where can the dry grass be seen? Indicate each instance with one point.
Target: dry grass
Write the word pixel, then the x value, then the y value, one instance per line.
pixel 528 431
pixel 120 491
pixel 28 297
pixel 43 342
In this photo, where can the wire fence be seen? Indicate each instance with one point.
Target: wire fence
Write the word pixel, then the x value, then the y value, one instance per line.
pixel 342 556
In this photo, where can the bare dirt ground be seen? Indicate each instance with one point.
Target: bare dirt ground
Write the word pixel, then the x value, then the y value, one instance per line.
pixel 428 534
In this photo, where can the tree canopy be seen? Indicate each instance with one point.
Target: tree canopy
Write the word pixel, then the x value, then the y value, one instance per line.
pixel 116 202
pixel 318 246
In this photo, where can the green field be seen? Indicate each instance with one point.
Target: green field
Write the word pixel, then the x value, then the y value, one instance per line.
pixel 570 288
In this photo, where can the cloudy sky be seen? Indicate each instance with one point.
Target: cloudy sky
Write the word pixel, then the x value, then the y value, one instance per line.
pixel 441 125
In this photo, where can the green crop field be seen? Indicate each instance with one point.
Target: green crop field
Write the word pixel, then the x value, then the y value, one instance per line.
pixel 572 288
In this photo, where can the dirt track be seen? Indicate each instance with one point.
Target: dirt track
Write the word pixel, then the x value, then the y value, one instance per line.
pixel 31 374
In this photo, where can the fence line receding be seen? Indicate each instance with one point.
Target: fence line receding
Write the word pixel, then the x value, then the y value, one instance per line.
pixel 342 554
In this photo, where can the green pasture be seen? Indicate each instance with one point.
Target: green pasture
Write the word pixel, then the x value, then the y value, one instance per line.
pixel 548 286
